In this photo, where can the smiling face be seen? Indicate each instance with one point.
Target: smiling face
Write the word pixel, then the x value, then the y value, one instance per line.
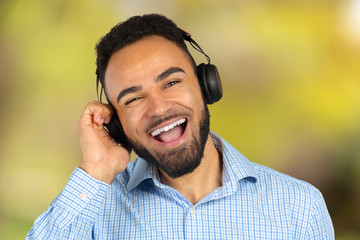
pixel 153 87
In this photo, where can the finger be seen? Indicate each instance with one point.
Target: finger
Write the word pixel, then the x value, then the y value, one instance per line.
pixel 107 120
pixel 99 112
pixel 103 114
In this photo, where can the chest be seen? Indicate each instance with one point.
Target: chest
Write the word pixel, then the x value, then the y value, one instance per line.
pixel 148 214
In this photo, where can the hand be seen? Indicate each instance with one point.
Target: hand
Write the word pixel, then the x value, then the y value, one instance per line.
pixel 102 157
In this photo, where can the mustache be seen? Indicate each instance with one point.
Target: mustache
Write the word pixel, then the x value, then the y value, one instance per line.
pixel 155 121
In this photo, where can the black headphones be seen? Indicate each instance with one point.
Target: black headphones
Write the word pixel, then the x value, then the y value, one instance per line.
pixel 208 75
pixel 210 84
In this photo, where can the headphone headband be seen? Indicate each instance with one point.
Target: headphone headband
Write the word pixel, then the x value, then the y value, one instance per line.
pixel 187 37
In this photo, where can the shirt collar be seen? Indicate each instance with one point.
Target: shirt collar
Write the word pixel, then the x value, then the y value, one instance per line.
pixel 236 166
pixel 142 171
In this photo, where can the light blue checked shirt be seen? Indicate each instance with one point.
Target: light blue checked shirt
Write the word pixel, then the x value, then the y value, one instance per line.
pixel 254 202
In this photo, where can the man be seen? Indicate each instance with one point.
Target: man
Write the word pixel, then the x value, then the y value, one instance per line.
pixel 188 183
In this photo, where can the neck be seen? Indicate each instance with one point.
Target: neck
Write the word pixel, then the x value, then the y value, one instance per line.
pixel 203 180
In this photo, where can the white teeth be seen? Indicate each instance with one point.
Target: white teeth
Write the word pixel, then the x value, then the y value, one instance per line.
pixel 168 127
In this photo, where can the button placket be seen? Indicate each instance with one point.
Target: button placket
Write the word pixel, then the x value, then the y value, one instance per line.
pixel 193 211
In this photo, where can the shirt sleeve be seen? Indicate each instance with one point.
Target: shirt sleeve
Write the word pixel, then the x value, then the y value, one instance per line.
pixel 320 224
pixel 73 213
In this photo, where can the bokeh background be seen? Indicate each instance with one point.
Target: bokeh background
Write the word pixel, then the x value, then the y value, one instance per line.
pixel 291 79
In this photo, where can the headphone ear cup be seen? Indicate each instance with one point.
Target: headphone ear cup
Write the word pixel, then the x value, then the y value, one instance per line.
pixel 210 82
pixel 116 130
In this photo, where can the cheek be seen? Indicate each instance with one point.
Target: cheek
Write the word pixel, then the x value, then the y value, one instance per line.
pixel 130 121
pixel 191 93
pixel 194 97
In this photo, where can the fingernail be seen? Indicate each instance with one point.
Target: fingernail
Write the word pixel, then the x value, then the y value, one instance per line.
pixel 107 120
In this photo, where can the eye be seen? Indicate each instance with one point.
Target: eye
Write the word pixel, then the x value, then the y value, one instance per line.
pixel 132 100
pixel 171 83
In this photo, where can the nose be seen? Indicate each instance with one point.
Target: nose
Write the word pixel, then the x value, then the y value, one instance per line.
pixel 157 105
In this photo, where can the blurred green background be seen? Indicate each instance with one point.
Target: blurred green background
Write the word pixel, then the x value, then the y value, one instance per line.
pixel 290 72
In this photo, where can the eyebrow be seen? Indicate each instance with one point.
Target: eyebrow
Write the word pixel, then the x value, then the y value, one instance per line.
pixel 159 78
pixel 127 91
pixel 168 72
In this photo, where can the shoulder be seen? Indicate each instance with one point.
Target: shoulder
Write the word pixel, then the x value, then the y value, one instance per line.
pixel 301 201
pixel 280 184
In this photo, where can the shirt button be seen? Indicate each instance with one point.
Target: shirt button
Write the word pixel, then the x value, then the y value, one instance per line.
pixel 192 211
pixel 83 195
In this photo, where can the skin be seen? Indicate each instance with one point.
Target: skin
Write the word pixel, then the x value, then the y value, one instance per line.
pixel 147 94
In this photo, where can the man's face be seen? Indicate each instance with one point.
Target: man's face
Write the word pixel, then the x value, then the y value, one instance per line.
pixel 153 87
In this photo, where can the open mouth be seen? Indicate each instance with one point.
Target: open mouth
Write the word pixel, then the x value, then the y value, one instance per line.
pixel 171 132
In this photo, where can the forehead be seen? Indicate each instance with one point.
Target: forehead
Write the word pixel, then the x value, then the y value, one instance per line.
pixel 143 57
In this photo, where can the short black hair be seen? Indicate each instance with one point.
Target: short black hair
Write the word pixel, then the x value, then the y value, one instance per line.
pixel 132 30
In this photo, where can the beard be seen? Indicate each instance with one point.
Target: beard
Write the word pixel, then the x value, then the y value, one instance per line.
pixel 180 161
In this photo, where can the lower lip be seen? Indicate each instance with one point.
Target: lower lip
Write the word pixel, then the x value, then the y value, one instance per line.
pixel 176 142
